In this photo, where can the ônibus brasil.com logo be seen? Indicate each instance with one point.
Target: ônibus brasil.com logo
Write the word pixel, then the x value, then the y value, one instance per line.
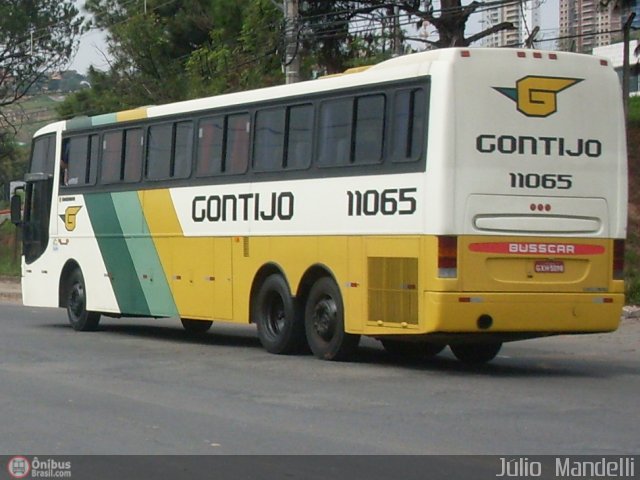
pixel 19 467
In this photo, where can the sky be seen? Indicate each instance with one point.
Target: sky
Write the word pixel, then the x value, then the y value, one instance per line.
pixel 93 48
pixel 92 51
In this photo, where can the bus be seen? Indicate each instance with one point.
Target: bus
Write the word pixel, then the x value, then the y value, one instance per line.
pixel 456 197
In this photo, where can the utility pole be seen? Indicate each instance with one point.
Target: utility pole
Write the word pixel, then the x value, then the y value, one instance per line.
pixel 531 39
pixel 291 57
pixel 625 65
pixel 398 49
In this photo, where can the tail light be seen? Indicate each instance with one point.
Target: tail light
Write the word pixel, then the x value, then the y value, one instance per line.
pixel 447 257
pixel 618 259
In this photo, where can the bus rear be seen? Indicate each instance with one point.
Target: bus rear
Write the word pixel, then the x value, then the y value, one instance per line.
pixel 530 167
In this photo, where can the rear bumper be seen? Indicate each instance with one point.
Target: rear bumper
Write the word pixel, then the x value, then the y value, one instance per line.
pixel 546 313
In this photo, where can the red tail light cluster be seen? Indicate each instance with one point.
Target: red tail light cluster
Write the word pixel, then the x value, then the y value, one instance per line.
pixel 448 257
pixel 618 259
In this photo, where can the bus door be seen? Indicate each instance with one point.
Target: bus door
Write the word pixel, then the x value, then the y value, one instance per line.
pixel 38 197
pixel 37 208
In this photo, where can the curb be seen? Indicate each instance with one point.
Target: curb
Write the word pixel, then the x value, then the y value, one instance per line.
pixel 11 297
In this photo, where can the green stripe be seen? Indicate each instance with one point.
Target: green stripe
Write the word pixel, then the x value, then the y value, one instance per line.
pixel 115 253
pixel 103 119
pixel 144 255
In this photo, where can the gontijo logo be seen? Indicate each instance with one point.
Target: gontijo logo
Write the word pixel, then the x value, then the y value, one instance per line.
pixel 69 218
pixel 537 96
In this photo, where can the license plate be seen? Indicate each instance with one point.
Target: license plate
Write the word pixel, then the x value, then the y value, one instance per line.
pixel 549 266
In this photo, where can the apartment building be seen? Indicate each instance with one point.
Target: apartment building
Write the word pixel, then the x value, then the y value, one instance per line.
pixel 523 15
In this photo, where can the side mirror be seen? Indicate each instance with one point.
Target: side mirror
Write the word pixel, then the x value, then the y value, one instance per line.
pixel 16 210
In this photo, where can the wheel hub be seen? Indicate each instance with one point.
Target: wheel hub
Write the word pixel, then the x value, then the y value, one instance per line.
pixel 325 318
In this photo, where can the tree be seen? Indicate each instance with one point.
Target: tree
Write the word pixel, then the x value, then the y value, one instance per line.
pixel 13 162
pixel 149 49
pixel 240 56
pixel 451 19
pixel 36 37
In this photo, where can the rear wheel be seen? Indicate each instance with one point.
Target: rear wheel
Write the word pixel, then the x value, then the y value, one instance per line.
pixel 196 326
pixel 280 329
pixel 413 350
pixel 324 322
pixel 80 319
pixel 475 353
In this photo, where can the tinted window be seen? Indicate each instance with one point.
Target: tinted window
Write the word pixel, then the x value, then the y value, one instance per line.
pixel 369 130
pixel 237 144
pixel 75 153
pixel 43 154
pixel 80 157
pixel 409 125
pixel 210 146
pixel 335 132
pixel 299 136
pixel 183 150
pixel 158 163
pixel 132 155
pixel 269 142
pixel 111 157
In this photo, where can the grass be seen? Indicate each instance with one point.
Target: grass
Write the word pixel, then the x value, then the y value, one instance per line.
pixel 9 261
pixel 634 112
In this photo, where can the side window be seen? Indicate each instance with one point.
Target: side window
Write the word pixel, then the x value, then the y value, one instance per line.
pixel 237 144
pixel 369 129
pixel 223 145
pixel 94 151
pixel 409 125
pixel 182 150
pixel 268 150
pixel 210 146
pixel 43 155
pixel 79 160
pixel 335 132
pixel 122 156
pixel 75 157
pixel 111 157
pixel 158 161
pixel 299 136
pixel 132 154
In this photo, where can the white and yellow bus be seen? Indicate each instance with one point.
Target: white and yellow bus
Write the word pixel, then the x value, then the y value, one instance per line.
pixel 461 197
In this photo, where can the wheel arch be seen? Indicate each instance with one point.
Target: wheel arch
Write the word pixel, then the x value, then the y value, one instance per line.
pixel 70 266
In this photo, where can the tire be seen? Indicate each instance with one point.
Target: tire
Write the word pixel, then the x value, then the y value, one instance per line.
pixel 76 300
pixel 280 329
pixel 475 353
pixel 412 350
pixel 324 322
pixel 196 327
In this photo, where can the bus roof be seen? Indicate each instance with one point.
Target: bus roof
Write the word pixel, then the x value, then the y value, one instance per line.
pixel 403 67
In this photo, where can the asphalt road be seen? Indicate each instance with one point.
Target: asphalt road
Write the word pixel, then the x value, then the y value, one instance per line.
pixel 142 386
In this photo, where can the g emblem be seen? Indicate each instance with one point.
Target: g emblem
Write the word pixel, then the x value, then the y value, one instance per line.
pixel 537 96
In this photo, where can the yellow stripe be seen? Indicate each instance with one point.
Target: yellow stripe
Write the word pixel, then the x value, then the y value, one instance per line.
pixel 128 115
pixel 188 263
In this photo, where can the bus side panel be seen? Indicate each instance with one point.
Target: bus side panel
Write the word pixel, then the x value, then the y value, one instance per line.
pixel 197 269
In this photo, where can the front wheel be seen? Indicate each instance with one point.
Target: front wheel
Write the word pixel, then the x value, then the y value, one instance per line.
pixel 80 319
pixel 475 353
pixel 324 322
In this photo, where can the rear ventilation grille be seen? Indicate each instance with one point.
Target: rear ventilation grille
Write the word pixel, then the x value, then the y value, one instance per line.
pixel 393 290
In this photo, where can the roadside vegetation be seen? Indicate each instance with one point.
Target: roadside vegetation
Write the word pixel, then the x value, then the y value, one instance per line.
pixel 632 254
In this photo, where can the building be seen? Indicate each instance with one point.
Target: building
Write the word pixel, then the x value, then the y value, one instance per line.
pixel 615 54
pixel 523 15
pixel 588 24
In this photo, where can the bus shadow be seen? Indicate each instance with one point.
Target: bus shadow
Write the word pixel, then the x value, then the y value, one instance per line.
pixel 525 366
pixel 372 354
